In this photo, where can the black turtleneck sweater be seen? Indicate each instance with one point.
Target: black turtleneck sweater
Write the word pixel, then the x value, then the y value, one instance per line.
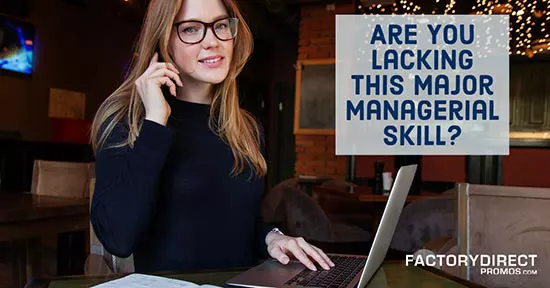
pixel 171 201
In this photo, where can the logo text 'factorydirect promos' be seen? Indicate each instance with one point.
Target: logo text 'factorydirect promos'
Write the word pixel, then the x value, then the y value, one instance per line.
pixel 497 264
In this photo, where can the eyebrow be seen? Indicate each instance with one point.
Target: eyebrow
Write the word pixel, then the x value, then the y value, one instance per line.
pixel 214 20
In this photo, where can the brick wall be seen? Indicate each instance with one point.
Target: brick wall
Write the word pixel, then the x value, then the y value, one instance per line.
pixel 315 154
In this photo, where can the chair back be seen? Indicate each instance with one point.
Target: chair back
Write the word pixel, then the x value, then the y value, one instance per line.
pixel 272 206
pixel 338 185
pixel 305 218
pixel 505 220
pixel 62 179
pixel 423 221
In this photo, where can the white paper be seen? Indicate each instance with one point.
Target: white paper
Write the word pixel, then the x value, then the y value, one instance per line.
pixel 137 280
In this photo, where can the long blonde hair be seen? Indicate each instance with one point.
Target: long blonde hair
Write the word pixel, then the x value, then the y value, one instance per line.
pixel 234 125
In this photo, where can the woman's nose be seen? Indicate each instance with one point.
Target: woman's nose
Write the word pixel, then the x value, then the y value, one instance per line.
pixel 210 40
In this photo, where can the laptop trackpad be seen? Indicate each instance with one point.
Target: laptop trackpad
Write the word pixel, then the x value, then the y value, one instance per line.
pixel 269 274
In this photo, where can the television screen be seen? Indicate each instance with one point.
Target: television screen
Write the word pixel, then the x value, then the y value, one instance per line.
pixel 16 45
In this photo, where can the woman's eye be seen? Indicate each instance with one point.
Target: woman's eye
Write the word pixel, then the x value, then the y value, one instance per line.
pixel 190 30
pixel 221 26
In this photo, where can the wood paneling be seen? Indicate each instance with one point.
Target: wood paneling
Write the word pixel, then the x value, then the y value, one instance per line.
pixel 529 94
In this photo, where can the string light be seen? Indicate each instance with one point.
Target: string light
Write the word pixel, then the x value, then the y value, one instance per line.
pixel 406 7
pixel 528 18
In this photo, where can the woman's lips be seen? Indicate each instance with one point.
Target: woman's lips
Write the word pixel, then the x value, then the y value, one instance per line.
pixel 212 62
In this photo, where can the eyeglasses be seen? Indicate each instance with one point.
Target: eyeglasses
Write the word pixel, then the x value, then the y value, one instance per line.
pixel 193 32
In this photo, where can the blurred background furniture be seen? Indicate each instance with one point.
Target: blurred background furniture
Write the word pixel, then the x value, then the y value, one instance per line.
pixel 66 180
pixel 62 179
pixel 307 183
pixel 506 220
pixel 25 220
pixel 500 220
pixel 17 160
pixel 297 213
pixel 335 213
pixel 36 215
pixel 425 220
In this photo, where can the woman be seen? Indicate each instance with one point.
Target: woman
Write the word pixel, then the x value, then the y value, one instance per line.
pixel 179 165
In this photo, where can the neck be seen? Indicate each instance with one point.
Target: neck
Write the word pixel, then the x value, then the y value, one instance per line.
pixel 195 91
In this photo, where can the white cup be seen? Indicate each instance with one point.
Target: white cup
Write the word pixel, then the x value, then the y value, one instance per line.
pixel 387 182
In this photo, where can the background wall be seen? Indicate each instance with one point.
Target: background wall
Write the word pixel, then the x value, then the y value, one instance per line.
pixel 526 167
pixel 315 153
pixel 82 47
pixel 86 45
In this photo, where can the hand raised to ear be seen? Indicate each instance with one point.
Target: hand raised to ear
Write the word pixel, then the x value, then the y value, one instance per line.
pixel 149 84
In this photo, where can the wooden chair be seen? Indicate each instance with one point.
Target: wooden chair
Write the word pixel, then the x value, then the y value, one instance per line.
pixel 425 220
pixel 100 261
pixel 62 179
pixel 59 179
pixel 303 217
pixel 503 220
pixel 506 220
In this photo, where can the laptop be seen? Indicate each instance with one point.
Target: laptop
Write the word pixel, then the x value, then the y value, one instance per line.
pixel 350 270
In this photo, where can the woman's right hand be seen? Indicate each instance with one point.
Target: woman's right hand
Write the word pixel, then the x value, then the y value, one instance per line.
pixel 149 84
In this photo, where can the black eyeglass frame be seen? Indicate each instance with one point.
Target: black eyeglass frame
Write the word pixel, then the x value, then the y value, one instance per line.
pixel 206 26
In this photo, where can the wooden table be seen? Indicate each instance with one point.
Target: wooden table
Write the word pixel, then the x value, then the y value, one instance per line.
pixel 392 274
pixel 24 216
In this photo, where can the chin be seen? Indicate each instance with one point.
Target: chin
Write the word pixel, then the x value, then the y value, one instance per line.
pixel 213 78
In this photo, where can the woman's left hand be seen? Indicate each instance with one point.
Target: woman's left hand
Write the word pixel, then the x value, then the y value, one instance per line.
pixel 280 246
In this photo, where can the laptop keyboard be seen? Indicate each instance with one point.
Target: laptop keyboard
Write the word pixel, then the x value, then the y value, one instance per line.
pixel 345 269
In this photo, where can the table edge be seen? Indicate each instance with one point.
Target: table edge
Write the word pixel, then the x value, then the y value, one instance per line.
pixel 70 207
pixel 46 281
